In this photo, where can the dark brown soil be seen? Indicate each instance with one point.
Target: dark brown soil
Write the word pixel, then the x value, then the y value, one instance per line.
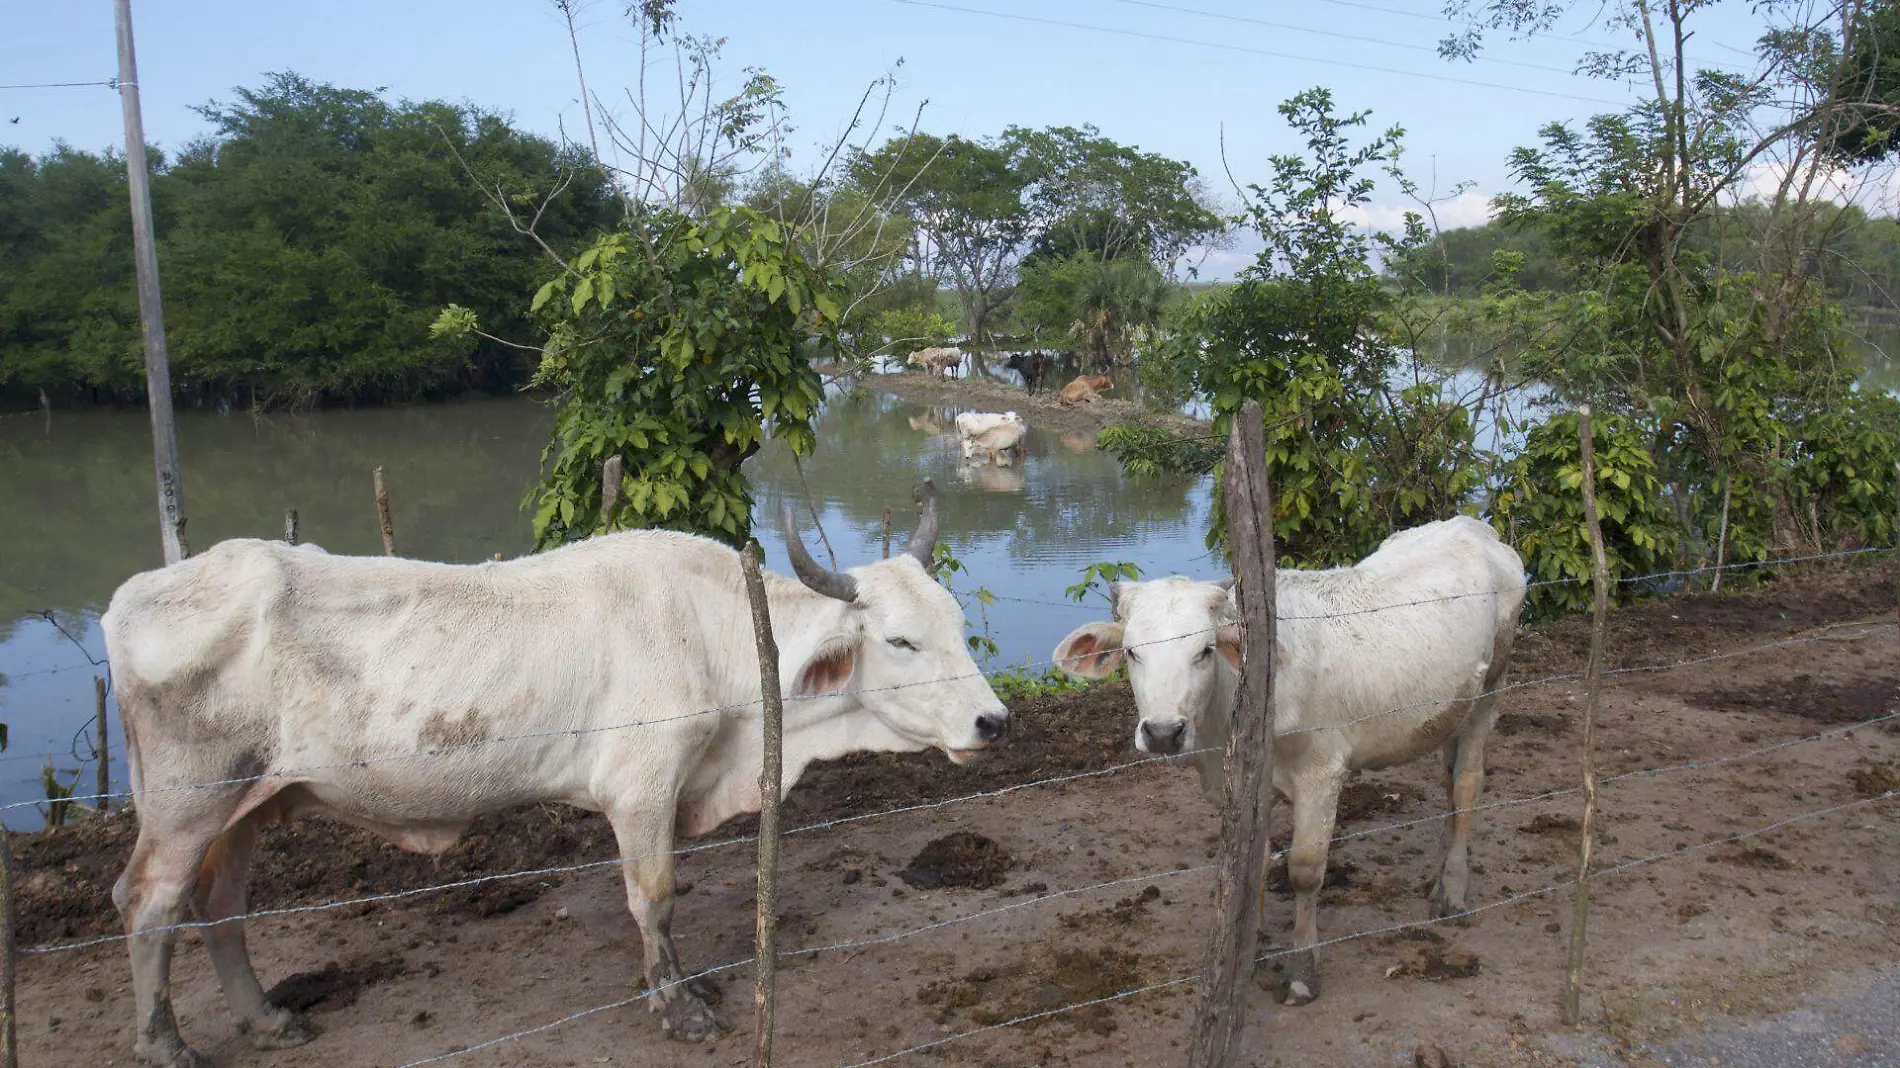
pixel 1551 823
pixel 1038 984
pixel 1435 962
pixel 1821 700
pixel 964 859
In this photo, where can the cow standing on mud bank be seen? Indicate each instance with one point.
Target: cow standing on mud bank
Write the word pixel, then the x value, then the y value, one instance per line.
pixel 1374 665
pixel 258 681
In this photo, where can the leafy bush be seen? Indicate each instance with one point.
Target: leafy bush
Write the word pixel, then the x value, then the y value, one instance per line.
pixel 1538 507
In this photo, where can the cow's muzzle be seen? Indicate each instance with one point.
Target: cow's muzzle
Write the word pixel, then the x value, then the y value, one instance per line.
pixel 1163 739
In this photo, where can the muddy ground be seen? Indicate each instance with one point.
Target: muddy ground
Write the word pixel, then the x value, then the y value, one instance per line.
pixel 1745 928
pixel 1044 409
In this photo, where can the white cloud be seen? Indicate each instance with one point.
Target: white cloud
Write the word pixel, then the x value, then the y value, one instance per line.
pixel 1466 209
pixel 1876 191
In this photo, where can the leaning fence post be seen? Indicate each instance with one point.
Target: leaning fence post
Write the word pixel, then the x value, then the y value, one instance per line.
pixel 887 532
pixel 771 785
pixel 105 761
pixel 1599 620
pixel 9 1038
pixel 290 525
pixel 1220 1016
pixel 382 516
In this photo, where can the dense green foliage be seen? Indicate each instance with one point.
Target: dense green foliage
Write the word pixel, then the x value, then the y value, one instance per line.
pixel 678 345
pixel 1353 449
pixel 1538 508
pixel 304 248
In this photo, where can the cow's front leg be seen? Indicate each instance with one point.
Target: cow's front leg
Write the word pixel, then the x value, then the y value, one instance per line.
pixel 1315 807
pixel 646 850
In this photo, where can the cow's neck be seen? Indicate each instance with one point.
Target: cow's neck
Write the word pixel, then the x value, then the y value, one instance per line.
pixel 1215 728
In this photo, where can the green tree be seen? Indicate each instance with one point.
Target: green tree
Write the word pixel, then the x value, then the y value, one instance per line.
pixel 1355 450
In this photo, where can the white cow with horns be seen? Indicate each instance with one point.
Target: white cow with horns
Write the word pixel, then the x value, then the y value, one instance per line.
pixel 1374 665
pixel 259 681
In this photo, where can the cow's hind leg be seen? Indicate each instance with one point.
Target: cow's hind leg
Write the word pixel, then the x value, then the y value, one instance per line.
pixel 152 897
pixel 1464 780
pixel 223 893
pixel 646 850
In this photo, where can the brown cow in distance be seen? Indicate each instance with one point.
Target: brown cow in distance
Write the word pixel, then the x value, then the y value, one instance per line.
pixel 1086 388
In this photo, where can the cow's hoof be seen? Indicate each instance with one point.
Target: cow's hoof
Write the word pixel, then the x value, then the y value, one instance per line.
pixel 687 1019
pixel 1444 902
pixel 1302 980
pixel 706 989
pixel 174 1054
pixel 281 1028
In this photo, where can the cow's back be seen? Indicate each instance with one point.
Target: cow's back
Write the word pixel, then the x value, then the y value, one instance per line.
pixel 1418 621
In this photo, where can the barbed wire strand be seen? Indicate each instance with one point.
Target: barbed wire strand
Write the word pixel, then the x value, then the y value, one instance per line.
pixel 564 869
pixel 1374 932
pixel 565 732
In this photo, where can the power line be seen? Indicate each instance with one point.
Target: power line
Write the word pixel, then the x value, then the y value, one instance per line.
pixel 111 84
pixel 1228 47
pixel 1335 33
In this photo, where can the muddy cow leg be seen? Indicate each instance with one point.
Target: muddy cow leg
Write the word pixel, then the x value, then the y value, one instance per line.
pixel 152 897
pixel 224 892
pixel 646 848
pixel 1464 770
pixel 1315 807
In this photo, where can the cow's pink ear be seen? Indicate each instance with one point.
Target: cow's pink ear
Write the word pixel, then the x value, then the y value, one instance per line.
pixel 1227 644
pixel 1091 651
pixel 828 672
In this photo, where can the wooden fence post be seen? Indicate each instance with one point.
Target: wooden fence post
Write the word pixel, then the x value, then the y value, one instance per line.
pixel 610 488
pixel 771 785
pixel 290 525
pixel 382 516
pixel 9 1038
pixel 1220 1017
pixel 887 532
pixel 105 760
pixel 1721 540
pixel 1599 621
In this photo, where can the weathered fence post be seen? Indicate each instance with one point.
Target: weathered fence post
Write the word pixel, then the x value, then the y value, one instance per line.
pixel 290 525
pixel 1721 540
pixel 1220 1016
pixel 1599 621
pixel 771 785
pixel 887 532
pixel 9 1037
pixel 105 760
pixel 609 488
pixel 382 516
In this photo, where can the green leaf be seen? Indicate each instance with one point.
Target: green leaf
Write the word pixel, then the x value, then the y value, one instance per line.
pixel 541 295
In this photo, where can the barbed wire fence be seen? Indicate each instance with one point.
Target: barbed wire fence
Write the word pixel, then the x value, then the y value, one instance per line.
pixel 1853 630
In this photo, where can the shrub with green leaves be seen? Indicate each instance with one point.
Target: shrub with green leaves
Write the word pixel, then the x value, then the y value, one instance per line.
pixel 676 345
pixel 1538 508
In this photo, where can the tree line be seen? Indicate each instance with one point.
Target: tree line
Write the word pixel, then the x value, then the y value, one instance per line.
pixel 305 244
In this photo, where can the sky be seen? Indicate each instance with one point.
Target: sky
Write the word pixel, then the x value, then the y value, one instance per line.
pixel 1191 79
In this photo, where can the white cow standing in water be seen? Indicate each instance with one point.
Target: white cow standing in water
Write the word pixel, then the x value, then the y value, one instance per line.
pixel 258 681
pixel 1374 665
pixel 990 433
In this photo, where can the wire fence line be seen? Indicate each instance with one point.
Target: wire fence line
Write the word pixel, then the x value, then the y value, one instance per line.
pixel 808 951
pixel 563 732
pixel 564 869
pixel 1074 777
pixel 1511 899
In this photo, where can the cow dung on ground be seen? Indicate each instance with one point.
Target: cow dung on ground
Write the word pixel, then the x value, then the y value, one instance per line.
pixel 960 859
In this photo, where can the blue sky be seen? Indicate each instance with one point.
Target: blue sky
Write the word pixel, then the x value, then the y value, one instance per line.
pixel 1174 90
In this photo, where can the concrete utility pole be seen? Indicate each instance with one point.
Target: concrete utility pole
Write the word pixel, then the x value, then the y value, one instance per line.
pixel 158 374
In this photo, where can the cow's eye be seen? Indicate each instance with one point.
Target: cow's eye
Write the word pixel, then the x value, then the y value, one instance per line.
pixel 902 643
pixel 1130 654
pixel 1204 654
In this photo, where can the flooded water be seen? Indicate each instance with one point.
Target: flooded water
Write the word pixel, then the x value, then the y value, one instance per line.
pixel 81 489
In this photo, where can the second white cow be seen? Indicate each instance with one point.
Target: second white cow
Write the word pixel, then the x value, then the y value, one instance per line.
pixel 1374 665
pixel 989 433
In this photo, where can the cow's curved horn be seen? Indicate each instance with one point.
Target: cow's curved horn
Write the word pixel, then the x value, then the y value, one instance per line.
pixel 923 544
pixel 835 584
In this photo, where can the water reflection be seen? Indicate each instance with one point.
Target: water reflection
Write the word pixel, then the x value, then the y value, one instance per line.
pixel 82 493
